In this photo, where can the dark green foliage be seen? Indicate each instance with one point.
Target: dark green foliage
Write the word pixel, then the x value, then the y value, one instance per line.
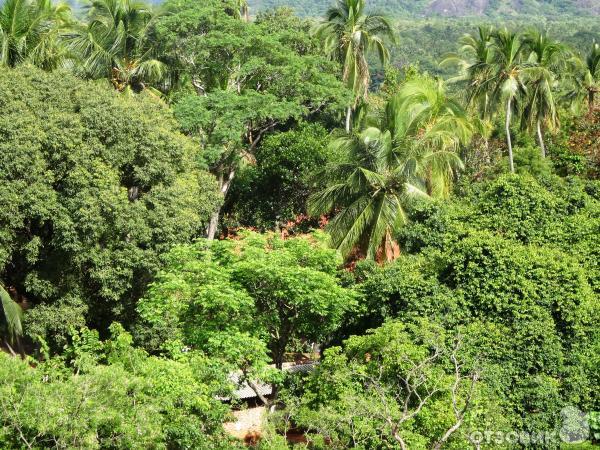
pixel 274 190
pixel 93 187
pixel 425 42
pixel 403 8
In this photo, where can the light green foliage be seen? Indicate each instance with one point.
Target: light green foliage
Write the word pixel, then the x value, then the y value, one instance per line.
pixel 129 401
pixel 349 34
pixel 112 43
pixel 92 188
pixel 32 31
pixel 12 315
pixel 215 296
pixel 390 387
pixel 529 161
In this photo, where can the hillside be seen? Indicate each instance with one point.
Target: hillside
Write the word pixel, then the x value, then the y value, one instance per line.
pixel 490 8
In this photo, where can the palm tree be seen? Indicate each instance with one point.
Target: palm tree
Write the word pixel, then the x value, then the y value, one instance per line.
pixel 475 61
pixel 507 82
pixel 585 77
pixel 244 9
pixel 113 45
pixel 349 35
pixel 407 153
pixel 545 63
pixel 492 71
pixel 30 31
pixel 12 316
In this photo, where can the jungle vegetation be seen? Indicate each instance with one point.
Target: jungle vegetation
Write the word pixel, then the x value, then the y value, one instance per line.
pixel 197 190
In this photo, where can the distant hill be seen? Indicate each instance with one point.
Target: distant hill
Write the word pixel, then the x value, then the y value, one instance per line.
pixel 433 8
pixel 456 8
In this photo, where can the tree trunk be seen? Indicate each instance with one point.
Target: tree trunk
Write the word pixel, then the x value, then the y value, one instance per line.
pixel 438 445
pixel 10 349
pixel 348 119
pixel 591 95
pixel 224 186
pixel 508 139
pixel 211 231
pixel 540 136
pixel 256 390
pixel 278 355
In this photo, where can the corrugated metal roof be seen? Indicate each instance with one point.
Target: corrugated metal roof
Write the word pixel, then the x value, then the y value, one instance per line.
pixel 244 391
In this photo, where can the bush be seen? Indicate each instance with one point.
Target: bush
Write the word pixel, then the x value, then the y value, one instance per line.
pixel 118 398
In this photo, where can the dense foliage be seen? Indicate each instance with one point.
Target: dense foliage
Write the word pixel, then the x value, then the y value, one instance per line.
pixel 118 398
pixel 444 7
pixel 210 217
pixel 284 291
pixel 94 187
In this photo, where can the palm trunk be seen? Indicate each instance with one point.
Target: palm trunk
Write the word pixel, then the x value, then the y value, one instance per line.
pixel 591 95
pixel 540 136
pixel 508 139
pixel 348 119
pixel 224 186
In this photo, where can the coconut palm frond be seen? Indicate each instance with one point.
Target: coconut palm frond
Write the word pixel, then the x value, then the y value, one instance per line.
pixel 409 156
pixel 13 314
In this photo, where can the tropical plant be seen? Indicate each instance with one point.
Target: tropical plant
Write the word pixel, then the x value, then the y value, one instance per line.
pixel 474 59
pixel 12 315
pixel 585 77
pixel 507 82
pixel 541 74
pixel 409 153
pixel 491 68
pixel 30 30
pixel 113 44
pixel 349 35
pixel 243 9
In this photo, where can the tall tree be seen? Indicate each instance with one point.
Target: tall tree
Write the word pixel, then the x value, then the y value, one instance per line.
pixel 544 65
pixel 244 9
pixel 113 44
pixel 349 35
pixel 30 30
pixel 407 154
pixel 507 81
pixel 491 69
pixel 585 77
pixel 248 78
pixel 475 59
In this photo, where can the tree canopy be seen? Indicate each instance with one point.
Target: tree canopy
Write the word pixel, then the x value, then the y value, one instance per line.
pixel 224 227
pixel 93 188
